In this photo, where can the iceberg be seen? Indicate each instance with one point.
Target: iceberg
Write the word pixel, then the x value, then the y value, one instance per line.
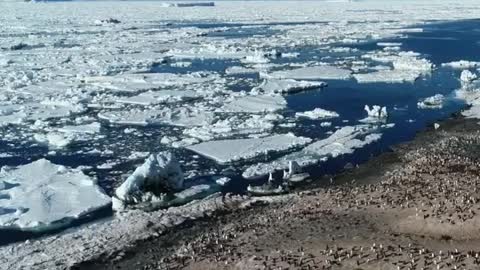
pixel 467 77
pixel 375 114
pixel 159 173
pixel 227 151
pixel 42 196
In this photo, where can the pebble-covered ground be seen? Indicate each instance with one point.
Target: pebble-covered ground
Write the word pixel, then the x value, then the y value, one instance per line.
pixel 414 208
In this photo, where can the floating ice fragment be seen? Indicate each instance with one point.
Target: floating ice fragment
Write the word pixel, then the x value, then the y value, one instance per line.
pixel 255 104
pixel 433 102
pixel 343 141
pixel 287 86
pixel 190 4
pixel 45 196
pixel 388 76
pixel 462 64
pixel 375 114
pixel 318 113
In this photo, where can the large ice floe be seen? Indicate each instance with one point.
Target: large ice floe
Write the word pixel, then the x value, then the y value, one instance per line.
pixel 43 196
pixel 287 86
pixel 226 151
pixel 311 73
pixel 255 104
pixel 342 141
pixel 317 113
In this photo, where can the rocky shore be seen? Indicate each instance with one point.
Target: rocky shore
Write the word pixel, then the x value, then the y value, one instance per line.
pixel 413 208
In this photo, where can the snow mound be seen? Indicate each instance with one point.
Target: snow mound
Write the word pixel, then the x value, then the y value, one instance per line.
pixel 227 151
pixel 44 196
pixel 160 172
pixel 311 73
pixel 317 113
pixel 433 102
pixel 287 86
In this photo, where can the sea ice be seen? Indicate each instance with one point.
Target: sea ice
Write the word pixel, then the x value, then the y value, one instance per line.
pixel 462 64
pixel 42 196
pixel 318 113
pixel 158 97
pixel 286 86
pixel 388 76
pixel 311 73
pixel 160 173
pixel 375 114
pixel 256 104
pixel 227 151
pixel 433 102
pixel 467 77
pixel 342 141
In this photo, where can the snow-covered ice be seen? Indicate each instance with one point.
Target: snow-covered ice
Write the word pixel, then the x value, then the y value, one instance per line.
pixel 433 102
pixel 311 73
pixel 227 151
pixel 254 104
pixel 318 113
pixel 42 196
pixel 160 173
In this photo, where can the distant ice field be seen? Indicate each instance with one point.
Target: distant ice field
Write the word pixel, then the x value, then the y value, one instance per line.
pixel 274 81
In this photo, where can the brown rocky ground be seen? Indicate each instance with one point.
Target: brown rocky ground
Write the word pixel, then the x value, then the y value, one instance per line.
pixel 415 208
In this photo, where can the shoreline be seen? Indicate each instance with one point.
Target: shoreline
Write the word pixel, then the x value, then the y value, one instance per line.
pixel 263 240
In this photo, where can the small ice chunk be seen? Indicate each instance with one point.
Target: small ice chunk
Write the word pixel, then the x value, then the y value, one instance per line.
pixel 91 128
pixel 158 97
pixel 227 151
pixel 237 70
pixel 42 196
pixel 433 102
pixel 54 139
pixel 311 73
pixel 318 113
pixel 160 172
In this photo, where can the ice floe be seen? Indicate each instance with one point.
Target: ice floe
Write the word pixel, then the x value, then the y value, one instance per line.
pixel 227 151
pixel 287 86
pixel 42 196
pixel 311 73
pixel 375 114
pixel 467 77
pixel 317 113
pixel 342 141
pixel 255 104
